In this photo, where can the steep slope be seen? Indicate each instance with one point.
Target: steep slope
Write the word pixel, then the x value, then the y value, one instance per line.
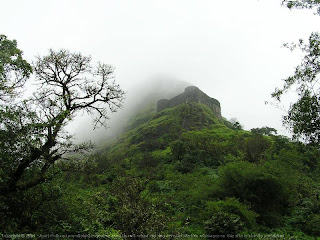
pixel 157 124
pixel 157 130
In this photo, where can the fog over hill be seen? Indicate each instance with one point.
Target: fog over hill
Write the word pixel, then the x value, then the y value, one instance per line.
pixel 231 50
pixel 138 97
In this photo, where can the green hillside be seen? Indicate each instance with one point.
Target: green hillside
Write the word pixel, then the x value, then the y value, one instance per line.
pixel 181 172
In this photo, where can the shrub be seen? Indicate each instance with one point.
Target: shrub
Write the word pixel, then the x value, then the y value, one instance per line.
pixel 228 217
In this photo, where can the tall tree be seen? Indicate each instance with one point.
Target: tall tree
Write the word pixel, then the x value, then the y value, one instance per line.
pixel 303 116
pixel 35 129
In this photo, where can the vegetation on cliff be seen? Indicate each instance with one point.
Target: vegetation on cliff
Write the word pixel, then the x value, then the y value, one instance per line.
pixel 178 171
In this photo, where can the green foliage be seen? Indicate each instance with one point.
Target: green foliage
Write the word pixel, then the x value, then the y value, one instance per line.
pixel 256 187
pixel 39 209
pixel 302 4
pixel 134 214
pixel 223 223
pixel 264 131
pixel 161 130
pixel 89 209
pixel 313 225
pixel 228 217
pixel 256 147
pixel 208 147
pixel 303 115
pixel 14 70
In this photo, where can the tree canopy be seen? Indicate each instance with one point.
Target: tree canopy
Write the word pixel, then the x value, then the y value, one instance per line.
pixel 14 70
pixel 302 4
pixel 303 116
pixel 33 135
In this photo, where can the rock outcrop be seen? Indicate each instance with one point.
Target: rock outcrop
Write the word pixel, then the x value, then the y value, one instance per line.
pixel 191 94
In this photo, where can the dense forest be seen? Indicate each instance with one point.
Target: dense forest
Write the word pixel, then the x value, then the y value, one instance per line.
pixel 206 177
pixel 182 172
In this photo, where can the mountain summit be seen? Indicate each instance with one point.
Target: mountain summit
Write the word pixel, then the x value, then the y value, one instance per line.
pixel 191 94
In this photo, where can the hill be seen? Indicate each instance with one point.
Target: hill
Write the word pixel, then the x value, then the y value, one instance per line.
pixel 212 178
pixel 186 172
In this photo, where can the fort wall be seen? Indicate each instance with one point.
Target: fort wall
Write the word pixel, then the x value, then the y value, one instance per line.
pixel 191 94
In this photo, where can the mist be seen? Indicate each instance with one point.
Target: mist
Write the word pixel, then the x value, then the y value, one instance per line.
pixel 231 50
pixel 145 94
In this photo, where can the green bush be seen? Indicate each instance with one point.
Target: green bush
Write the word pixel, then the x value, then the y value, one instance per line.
pixel 261 190
pixel 223 223
pixel 312 226
pixel 228 217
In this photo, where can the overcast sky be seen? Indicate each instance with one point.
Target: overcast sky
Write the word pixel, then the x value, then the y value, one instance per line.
pixel 229 49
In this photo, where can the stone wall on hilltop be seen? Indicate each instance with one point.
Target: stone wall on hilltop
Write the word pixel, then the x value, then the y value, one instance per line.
pixel 191 94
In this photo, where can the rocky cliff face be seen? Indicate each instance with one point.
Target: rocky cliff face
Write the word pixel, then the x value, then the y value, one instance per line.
pixel 191 94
